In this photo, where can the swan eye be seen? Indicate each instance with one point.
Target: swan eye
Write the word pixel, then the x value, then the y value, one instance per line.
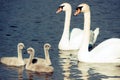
pixel 61 7
pixel 79 8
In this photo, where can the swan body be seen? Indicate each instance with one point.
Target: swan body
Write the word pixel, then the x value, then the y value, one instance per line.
pixel 36 60
pixel 72 41
pixel 106 52
pixel 36 67
pixel 43 61
pixel 14 61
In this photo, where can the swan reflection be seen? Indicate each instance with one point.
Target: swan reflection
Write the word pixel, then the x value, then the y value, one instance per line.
pixel 35 75
pixel 72 69
pixel 67 59
pixel 20 73
pixel 12 72
pixel 90 71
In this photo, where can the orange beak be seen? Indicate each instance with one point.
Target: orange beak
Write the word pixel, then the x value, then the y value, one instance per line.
pixel 59 10
pixel 78 11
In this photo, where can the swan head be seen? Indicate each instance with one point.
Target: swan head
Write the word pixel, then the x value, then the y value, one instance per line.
pixel 30 50
pixel 47 46
pixel 82 8
pixel 21 46
pixel 64 7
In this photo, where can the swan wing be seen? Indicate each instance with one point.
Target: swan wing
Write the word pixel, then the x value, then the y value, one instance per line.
pixel 93 36
pixel 77 35
pixel 107 51
pixel 76 38
pixel 41 61
pixel 11 61
pixel 96 33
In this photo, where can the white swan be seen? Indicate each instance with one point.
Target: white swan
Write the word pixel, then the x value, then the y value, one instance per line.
pixel 35 66
pixel 73 40
pixel 43 61
pixel 14 61
pixel 106 52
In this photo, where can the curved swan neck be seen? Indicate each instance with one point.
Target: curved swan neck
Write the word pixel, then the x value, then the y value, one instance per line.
pixel 86 38
pixel 67 22
pixel 19 53
pixel 30 59
pixel 47 57
pixel 65 35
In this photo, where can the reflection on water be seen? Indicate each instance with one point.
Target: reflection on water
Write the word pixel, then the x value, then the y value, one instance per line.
pixel 91 71
pixel 43 76
pixel 71 70
pixel 19 73
pixel 67 59
pixel 28 22
pixel 13 73
pixel 65 65
pixel 74 70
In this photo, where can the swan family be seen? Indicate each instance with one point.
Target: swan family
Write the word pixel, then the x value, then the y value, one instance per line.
pixel 107 51
pixel 33 63
pixel 73 40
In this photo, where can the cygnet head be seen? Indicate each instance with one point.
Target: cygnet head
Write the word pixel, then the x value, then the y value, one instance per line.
pixel 20 46
pixel 82 8
pixel 47 46
pixel 63 7
pixel 30 50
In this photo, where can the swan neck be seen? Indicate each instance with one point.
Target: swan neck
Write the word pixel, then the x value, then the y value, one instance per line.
pixel 67 19
pixel 47 57
pixel 30 59
pixel 86 31
pixel 20 54
pixel 65 35
pixel 83 52
pixel 87 21
pixel 67 22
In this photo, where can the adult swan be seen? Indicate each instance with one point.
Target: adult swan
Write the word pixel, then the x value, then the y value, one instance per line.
pixel 72 41
pixel 106 52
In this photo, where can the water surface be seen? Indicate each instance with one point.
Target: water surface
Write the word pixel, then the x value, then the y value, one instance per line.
pixel 34 22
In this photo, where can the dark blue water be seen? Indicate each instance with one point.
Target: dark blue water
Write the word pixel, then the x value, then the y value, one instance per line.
pixel 34 22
